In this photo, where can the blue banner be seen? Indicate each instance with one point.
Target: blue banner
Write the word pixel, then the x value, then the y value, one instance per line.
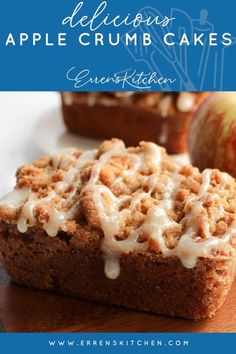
pixel 117 45
pixel 116 343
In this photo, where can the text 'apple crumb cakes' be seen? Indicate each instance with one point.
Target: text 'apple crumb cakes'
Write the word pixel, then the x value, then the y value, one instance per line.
pixel 127 226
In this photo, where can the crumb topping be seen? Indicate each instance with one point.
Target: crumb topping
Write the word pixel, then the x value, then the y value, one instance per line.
pixel 167 103
pixel 140 198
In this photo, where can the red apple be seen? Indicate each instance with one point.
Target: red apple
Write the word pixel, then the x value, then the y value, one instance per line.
pixel 212 135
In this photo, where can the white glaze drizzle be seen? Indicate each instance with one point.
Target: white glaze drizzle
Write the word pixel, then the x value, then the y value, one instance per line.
pixel 163 137
pixel 123 94
pixel 91 98
pixel 16 198
pixel 164 105
pixel 185 101
pixel 68 98
pixel 57 218
pixel 110 220
pixel 157 221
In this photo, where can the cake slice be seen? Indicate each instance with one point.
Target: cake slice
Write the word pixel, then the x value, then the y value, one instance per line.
pixel 125 226
pixel 161 117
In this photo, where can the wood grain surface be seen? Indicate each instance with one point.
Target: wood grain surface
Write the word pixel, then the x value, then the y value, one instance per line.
pixel 29 310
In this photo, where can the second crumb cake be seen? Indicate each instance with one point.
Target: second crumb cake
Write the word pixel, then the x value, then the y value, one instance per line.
pixel 161 117
pixel 126 226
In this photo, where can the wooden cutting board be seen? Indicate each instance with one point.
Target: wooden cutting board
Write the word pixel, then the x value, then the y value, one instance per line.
pixel 28 310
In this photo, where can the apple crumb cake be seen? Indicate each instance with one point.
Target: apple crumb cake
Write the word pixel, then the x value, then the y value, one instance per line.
pixel 161 117
pixel 126 226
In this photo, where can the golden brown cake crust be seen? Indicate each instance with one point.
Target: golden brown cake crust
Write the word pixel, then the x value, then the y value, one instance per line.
pixel 159 117
pixel 116 212
pixel 152 283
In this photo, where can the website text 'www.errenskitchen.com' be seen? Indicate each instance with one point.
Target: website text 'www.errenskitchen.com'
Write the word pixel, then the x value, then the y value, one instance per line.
pixel 119 343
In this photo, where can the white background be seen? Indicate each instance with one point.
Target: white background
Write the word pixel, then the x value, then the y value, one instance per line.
pixel 20 113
